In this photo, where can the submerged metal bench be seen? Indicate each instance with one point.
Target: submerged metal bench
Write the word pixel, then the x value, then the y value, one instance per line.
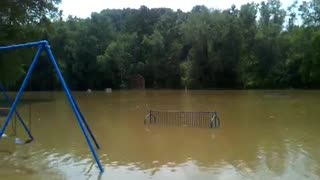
pixel 184 119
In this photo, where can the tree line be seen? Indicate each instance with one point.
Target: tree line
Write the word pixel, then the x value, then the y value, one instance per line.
pixel 257 45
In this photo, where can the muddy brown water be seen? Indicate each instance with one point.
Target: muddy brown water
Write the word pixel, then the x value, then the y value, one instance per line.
pixel 263 135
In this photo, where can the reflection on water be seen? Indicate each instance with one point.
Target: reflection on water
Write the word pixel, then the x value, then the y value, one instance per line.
pixel 263 135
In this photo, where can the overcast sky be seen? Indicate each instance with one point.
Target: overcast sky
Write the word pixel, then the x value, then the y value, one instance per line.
pixel 83 8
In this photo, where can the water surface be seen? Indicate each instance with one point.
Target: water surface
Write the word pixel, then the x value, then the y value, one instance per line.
pixel 263 135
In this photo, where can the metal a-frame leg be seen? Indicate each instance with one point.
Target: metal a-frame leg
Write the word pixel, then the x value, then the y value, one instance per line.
pixel 85 123
pixel 23 86
pixel 84 126
pixel 74 106
pixel 16 112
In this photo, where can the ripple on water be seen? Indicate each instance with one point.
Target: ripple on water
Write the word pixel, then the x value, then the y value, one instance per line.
pixel 285 148
pixel 243 169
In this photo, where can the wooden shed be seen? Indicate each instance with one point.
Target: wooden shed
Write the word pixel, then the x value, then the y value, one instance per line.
pixel 137 82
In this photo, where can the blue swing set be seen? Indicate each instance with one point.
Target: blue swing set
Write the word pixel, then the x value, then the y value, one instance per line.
pixel 44 46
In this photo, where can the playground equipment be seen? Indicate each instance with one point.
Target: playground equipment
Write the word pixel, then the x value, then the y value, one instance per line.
pixel 44 46
pixel 182 118
pixel 4 111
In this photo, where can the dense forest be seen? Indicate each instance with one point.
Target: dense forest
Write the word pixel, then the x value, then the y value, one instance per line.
pixel 253 46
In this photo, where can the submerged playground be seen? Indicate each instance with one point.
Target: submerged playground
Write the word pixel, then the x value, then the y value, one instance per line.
pixel 143 134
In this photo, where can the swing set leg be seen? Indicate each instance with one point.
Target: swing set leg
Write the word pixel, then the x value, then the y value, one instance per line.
pixel 18 115
pixel 44 45
pixel 15 103
pixel 85 123
pixel 74 108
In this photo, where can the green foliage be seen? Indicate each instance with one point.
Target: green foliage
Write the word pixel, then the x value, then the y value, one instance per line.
pixel 186 77
pixel 248 47
pixel 116 62
pixel 22 21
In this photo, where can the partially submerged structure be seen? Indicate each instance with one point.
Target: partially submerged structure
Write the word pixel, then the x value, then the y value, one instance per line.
pixel 44 46
pixel 183 119
pixel 137 82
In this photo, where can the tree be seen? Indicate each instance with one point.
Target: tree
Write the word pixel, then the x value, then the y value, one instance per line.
pixel 22 21
pixel 186 78
pixel 248 65
pixel 310 12
pixel 116 62
pixel 250 47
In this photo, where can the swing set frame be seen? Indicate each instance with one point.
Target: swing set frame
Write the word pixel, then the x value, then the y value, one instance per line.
pixel 44 46
pixel 25 127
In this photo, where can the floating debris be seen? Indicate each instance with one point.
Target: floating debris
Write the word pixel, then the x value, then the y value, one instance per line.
pixel 108 90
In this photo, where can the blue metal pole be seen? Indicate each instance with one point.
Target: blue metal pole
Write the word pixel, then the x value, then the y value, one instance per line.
pixel 66 89
pixel 19 46
pixel 23 86
pixel 85 123
pixel 18 115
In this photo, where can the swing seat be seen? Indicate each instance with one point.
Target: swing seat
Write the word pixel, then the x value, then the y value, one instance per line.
pixel 19 141
pixel 4 111
pixel 44 46
pixel 4 136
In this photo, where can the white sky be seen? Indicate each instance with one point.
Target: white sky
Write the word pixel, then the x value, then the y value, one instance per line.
pixel 84 8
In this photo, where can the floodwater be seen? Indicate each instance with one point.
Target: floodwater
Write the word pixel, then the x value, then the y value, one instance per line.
pixel 263 135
